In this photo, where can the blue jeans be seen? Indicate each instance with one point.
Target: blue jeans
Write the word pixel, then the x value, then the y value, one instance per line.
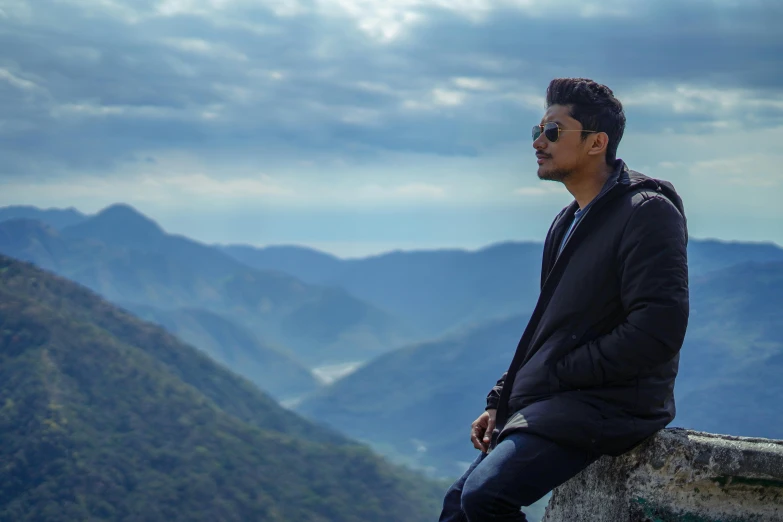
pixel 520 470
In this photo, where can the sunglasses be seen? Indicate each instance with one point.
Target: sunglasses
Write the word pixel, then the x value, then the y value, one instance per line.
pixel 552 131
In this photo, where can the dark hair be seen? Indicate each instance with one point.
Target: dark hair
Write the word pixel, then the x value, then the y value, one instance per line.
pixel 593 105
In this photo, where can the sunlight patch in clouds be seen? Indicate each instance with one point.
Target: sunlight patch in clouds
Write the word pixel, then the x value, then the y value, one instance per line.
pixel 386 20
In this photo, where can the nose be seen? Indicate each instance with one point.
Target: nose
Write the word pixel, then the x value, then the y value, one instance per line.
pixel 540 143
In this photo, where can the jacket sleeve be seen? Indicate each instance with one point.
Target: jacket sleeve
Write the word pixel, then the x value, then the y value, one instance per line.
pixel 653 272
pixel 493 398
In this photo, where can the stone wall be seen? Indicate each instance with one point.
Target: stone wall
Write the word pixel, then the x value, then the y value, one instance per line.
pixel 678 475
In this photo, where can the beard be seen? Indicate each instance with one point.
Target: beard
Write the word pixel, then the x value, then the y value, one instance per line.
pixel 554 174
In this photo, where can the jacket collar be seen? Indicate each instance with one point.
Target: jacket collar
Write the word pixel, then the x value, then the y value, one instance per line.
pixel 619 178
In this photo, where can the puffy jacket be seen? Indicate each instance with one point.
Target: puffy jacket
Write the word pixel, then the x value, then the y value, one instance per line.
pixel 596 365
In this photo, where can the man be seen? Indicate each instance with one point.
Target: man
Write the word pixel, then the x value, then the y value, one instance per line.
pixel 594 371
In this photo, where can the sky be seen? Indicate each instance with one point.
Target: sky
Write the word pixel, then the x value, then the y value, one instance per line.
pixel 362 126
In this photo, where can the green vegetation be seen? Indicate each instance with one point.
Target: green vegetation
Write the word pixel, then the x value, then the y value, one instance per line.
pixel 105 417
pixel 236 347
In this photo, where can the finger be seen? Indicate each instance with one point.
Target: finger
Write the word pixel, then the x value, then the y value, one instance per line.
pixel 475 437
pixel 488 432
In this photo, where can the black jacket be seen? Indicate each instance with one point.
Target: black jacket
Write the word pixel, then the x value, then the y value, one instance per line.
pixel 595 367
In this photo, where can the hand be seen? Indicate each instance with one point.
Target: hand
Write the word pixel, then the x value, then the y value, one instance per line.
pixel 481 430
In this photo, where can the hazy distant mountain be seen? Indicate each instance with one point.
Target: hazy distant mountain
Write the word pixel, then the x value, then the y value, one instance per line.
pixel 120 225
pixel 743 402
pixel 54 217
pixel 730 376
pixel 708 255
pixel 105 417
pixel 733 348
pixel 236 348
pixel 128 258
pixel 443 289
pixel 34 240
pixel 434 290
pixel 417 403
pixel 305 263
pixel 735 321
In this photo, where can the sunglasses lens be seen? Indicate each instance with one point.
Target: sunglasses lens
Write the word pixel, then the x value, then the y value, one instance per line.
pixel 536 132
pixel 551 131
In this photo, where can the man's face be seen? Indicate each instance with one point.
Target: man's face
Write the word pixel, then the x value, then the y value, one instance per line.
pixel 558 160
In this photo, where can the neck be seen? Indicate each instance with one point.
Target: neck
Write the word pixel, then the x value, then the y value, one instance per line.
pixel 586 185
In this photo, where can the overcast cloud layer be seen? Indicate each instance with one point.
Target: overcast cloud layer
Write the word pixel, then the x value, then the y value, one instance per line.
pixel 383 122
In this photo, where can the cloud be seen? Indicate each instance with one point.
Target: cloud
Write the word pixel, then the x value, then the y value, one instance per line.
pixel 88 86
pixel 235 188
pixel 150 187
pixel 448 98
pixel 708 106
pixel 203 47
pixel 475 84
pixel 544 188
pixel 16 81
pixel 757 170
pixel 95 110
pixel 386 21
pixel 412 191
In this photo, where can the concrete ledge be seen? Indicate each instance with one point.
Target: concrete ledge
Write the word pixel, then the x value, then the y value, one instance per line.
pixel 678 475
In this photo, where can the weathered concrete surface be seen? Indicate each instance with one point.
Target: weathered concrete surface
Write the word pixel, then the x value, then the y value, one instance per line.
pixel 678 475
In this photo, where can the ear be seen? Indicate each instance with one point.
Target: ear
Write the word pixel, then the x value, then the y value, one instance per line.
pixel 596 143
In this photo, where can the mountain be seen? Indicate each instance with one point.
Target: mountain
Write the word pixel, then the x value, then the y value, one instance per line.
pixel 106 417
pixel 235 347
pixel 728 379
pixel 442 289
pixel 709 255
pixel 734 322
pixel 34 240
pixel 127 258
pixel 54 217
pixel 742 402
pixel 416 403
pixel 435 291
pixel 310 265
pixel 121 225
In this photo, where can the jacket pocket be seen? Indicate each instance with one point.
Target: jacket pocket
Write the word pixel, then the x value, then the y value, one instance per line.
pixel 532 379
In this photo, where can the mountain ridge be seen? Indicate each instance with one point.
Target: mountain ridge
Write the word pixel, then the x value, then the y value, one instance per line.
pixel 176 272
pixel 105 416
pixel 54 217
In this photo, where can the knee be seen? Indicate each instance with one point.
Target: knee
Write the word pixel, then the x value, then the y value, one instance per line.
pixel 481 501
pixel 477 501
